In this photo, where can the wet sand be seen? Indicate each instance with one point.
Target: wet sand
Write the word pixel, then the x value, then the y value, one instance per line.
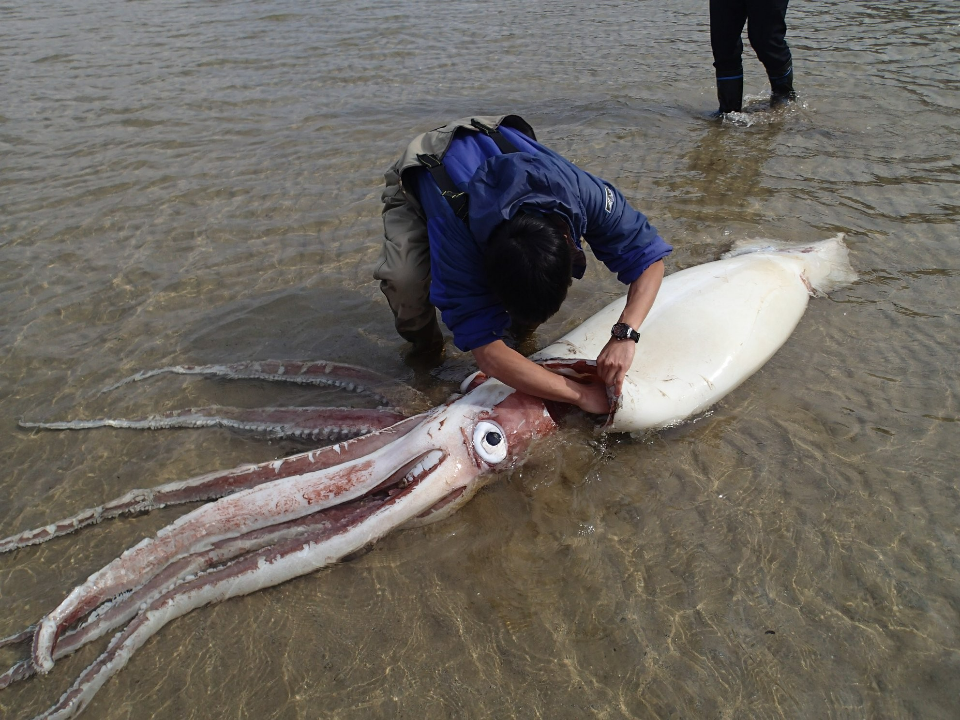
pixel 197 184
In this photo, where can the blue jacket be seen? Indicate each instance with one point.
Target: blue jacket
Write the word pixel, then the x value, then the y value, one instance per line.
pixel 498 185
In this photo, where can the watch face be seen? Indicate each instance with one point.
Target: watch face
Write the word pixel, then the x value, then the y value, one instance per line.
pixel 622 331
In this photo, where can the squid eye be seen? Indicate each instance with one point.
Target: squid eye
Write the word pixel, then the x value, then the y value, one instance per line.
pixel 490 442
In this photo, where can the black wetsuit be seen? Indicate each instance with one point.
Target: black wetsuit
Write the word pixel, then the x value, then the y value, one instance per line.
pixel 766 29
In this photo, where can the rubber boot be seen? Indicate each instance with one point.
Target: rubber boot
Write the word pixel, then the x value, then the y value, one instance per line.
pixel 782 89
pixel 730 94
pixel 428 340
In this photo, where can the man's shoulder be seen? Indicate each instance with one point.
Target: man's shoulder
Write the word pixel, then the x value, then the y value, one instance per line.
pixel 437 141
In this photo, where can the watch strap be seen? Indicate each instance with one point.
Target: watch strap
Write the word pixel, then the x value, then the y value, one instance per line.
pixel 622 331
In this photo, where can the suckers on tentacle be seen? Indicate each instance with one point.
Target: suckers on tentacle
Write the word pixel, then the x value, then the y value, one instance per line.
pixel 351 378
pixel 212 486
pixel 304 423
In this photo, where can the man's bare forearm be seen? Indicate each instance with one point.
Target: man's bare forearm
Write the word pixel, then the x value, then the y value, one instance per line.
pixel 615 359
pixel 643 291
pixel 513 369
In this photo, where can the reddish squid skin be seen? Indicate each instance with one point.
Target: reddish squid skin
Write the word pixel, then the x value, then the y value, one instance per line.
pixel 306 512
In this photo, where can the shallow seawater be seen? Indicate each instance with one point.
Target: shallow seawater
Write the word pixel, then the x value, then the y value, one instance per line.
pixel 199 183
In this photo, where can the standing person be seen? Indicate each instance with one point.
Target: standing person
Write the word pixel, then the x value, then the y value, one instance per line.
pixel 766 29
pixel 483 222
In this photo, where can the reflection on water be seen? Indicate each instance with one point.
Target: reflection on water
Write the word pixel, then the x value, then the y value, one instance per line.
pixel 200 183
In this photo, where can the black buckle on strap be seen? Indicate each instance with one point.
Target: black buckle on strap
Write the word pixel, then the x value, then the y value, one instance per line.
pixel 494 134
pixel 457 199
pixel 485 129
pixel 429 161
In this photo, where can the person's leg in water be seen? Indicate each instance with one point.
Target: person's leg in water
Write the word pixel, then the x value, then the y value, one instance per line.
pixel 427 340
pixel 404 279
pixel 767 30
pixel 727 18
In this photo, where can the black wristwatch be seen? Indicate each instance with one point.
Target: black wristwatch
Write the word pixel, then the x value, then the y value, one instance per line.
pixel 622 331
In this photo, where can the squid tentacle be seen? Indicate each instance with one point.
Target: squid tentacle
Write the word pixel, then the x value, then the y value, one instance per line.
pixel 212 486
pixel 19 637
pixel 123 608
pixel 352 378
pixel 258 507
pixel 304 423
pixel 19 671
pixel 350 529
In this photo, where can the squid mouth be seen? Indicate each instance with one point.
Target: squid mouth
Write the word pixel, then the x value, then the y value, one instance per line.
pixel 407 477
pixel 398 486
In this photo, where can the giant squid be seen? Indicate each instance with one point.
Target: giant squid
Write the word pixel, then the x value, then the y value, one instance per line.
pixel 711 327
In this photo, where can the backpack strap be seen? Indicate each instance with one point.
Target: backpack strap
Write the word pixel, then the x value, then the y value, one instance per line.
pixel 494 134
pixel 456 197
pixel 459 201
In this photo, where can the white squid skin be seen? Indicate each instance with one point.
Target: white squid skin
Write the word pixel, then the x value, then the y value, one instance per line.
pixel 711 327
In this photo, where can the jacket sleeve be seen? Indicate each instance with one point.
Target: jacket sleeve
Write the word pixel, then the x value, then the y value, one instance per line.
pixel 620 236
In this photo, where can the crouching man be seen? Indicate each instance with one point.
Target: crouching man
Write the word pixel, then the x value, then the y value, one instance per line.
pixel 484 223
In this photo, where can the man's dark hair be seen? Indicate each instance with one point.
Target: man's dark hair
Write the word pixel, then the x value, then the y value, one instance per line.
pixel 529 266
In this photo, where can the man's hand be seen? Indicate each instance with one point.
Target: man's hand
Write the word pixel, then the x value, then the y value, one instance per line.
pixel 617 355
pixel 511 368
pixel 593 398
pixel 614 361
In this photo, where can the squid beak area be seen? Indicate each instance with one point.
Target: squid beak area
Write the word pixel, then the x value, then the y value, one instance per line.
pixel 338 519
pixel 401 483
pixel 408 476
